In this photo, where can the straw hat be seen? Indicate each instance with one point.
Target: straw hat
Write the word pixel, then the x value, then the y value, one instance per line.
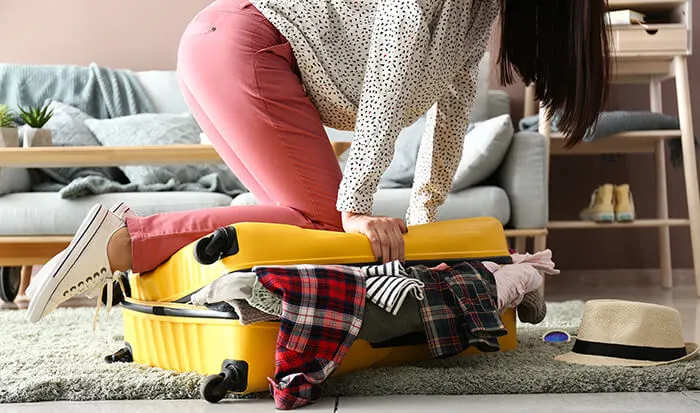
pixel 628 333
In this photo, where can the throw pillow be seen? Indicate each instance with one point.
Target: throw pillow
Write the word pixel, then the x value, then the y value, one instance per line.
pixel 67 126
pixel 147 129
pixel 485 146
pixel 400 172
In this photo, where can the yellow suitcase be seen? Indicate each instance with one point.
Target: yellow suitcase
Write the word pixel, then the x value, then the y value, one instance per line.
pixel 242 246
pixel 239 358
pixel 181 337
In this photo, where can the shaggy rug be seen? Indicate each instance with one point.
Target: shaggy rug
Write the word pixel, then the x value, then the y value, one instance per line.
pixel 61 359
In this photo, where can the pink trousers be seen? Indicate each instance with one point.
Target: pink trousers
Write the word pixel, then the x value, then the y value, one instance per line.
pixel 240 79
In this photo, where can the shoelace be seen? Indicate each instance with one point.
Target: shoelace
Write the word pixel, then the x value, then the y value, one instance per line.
pixel 96 281
pixel 109 283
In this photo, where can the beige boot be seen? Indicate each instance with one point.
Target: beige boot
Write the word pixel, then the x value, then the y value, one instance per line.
pixel 601 207
pixel 624 204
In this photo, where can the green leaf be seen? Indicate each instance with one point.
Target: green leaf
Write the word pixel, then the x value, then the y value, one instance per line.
pixel 36 117
pixel 7 117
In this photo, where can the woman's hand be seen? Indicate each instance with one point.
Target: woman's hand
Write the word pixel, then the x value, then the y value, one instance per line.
pixel 385 234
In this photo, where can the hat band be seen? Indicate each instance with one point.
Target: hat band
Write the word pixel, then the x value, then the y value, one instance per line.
pixel 628 352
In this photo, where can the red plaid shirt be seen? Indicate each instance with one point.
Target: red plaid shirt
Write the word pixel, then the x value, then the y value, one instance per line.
pixel 322 311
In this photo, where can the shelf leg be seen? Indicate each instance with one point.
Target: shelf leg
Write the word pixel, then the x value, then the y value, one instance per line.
pixel 680 64
pixel 520 245
pixel 661 193
pixel 541 245
pixel 25 278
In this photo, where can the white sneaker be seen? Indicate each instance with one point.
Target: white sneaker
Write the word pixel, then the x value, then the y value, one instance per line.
pixel 83 266
pixel 120 209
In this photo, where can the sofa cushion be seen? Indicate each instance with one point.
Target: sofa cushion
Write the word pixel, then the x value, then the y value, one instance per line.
pixel 480 111
pixel 473 202
pixel 164 90
pixel 45 213
pixel 484 148
pixel 499 103
pixel 14 180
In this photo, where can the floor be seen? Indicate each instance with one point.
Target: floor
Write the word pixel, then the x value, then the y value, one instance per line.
pixel 639 286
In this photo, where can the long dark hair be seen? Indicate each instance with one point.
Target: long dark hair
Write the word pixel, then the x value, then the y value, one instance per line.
pixel 560 46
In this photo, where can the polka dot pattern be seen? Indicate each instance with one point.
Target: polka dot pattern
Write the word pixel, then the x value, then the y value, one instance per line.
pixel 375 67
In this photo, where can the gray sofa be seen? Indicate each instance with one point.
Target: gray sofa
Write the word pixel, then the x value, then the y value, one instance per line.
pixel 516 194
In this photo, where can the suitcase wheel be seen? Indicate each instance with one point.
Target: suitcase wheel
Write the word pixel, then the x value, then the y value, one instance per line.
pixel 233 378
pixel 222 243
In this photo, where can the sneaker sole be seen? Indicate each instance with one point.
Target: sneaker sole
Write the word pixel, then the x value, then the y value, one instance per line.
pixel 625 217
pixel 75 250
pixel 601 218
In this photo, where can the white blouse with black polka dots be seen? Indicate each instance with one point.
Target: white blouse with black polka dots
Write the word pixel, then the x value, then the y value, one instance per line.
pixel 375 67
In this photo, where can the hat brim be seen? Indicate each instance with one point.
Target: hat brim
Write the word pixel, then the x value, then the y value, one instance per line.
pixel 591 360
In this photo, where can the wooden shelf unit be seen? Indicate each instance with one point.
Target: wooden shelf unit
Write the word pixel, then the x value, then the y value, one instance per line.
pixel 639 223
pixel 626 142
pixel 648 55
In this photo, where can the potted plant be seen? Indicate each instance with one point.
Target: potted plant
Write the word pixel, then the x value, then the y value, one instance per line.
pixel 8 128
pixel 35 118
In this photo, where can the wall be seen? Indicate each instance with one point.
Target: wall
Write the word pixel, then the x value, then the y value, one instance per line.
pixel 140 35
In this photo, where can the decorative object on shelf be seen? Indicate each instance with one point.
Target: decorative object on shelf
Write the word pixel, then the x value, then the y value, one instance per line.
pixel 610 203
pixel 8 128
pixel 624 17
pixel 33 131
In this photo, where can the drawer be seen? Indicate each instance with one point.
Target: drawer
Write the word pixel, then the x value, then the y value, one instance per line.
pixel 653 38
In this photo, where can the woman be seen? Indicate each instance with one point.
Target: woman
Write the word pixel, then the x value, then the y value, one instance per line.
pixel 262 79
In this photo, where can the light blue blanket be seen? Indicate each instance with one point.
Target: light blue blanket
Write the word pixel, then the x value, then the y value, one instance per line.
pixel 614 122
pixel 98 91
pixel 101 93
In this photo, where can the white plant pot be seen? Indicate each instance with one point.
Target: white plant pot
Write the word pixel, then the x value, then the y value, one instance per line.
pixel 33 137
pixel 9 137
pixel 12 179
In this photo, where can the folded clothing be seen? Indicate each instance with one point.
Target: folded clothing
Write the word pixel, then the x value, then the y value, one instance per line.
pixel 322 312
pixel 232 286
pixel 517 284
pixel 524 275
pixel 459 309
pixel 387 287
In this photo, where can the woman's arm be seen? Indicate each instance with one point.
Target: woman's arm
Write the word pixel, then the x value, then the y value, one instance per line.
pixel 441 147
pixel 393 67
